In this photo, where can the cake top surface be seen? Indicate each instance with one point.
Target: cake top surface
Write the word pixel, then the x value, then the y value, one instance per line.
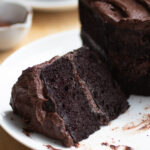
pixel 122 10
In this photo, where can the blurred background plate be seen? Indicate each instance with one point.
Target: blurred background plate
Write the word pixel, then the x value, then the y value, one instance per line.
pixel 51 5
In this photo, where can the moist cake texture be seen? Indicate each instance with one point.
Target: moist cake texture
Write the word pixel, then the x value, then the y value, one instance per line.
pixel 103 88
pixel 120 31
pixel 69 97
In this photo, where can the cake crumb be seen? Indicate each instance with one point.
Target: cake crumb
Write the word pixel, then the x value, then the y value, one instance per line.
pixel 49 147
pixel 26 132
pixel 147 107
pixel 105 144
pixel 116 147
pixel 77 145
pixel 113 147
pixel 115 128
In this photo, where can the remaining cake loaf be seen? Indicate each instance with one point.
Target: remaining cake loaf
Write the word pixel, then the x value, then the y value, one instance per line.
pixel 120 31
pixel 69 97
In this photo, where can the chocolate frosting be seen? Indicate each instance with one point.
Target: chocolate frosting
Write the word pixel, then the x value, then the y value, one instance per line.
pixel 134 14
pixel 28 100
pixel 120 32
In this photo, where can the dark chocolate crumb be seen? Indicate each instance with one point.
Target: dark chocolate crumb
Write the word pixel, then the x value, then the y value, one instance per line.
pixel 26 132
pixel 113 147
pixel 116 147
pixel 128 148
pixel 105 144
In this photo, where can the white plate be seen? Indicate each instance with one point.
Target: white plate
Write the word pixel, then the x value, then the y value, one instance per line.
pixel 131 128
pixel 51 5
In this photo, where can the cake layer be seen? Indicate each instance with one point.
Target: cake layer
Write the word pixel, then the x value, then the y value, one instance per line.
pixel 69 97
pixel 124 44
pixel 64 90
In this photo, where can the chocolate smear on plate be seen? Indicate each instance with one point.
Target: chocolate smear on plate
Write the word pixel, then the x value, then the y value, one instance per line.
pixel 144 124
pixel 116 147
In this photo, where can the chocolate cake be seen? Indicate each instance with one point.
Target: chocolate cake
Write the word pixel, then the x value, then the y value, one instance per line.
pixel 69 97
pixel 120 31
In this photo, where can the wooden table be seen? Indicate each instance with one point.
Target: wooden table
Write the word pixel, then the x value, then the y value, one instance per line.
pixel 43 25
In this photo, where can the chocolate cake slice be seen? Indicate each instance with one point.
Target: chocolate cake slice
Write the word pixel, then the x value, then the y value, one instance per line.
pixel 68 97
pixel 120 31
pixel 96 76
